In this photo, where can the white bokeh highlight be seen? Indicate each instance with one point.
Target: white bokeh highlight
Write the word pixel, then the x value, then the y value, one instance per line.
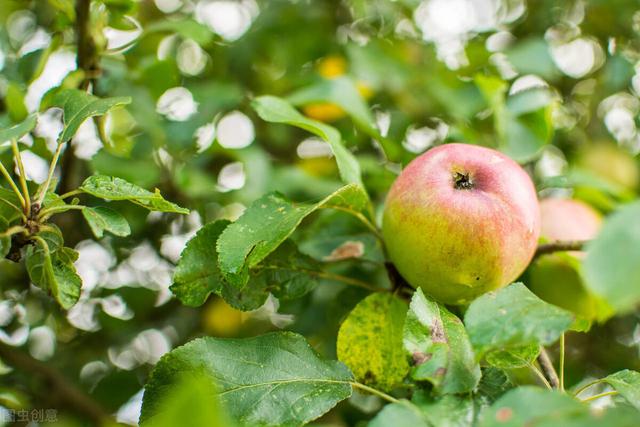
pixel 177 104
pixel 235 130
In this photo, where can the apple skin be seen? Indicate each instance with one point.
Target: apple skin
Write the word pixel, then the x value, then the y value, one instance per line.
pixel 461 220
pixel 567 219
pixel 555 277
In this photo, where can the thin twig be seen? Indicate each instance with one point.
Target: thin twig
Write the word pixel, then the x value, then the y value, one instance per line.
pixel 45 214
pixel 363 219
pixel 597 396
pixel 13 230
pixel 549 248
pixel 52 168
pixel 59 386
pixel 540 375
pixel 43 243
pixel 548 369
pixel 562 363
pixel 71 194
pixel 12 184
pixel 22 177
pixel 378 393
pixel 587 385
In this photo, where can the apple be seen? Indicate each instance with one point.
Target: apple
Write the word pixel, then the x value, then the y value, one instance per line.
pixel 555 277
pixel 608 161
pixel 566 219
pixel 461 220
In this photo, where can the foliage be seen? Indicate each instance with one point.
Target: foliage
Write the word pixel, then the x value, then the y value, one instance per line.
pixel 191 195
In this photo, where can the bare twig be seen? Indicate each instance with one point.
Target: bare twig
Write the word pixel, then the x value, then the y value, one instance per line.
pixel 548 369
pixel 59 387
pixel 549 248
pixel 86 61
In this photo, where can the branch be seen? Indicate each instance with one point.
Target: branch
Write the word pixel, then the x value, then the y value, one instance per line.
pixel 59 386
pixel 87 62
pixel 548 369
pixel 85 57
pixel 549 248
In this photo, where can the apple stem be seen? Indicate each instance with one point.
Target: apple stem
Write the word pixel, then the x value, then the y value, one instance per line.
pixel 462 181
pixel 549 248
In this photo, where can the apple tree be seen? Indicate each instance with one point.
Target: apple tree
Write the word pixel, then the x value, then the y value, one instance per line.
pixel 334 213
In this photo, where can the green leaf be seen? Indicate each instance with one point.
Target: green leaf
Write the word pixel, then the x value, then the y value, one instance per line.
pixel 277 110
pixel 517 357
pixel 50 267
pixel 530 100
pixel 522 121
pixel 494 383
pixel 400 414
pixel 112 188
pixel 511 318
pixel 611 268
pixel 286 273
pixel 627 383
pixel 16 132
pixel 78 106
pixel 197 273
pixel 38 260
pixel 192 395
pixel 532 56
pixel 527 134
pixel 52 200
pixel 533 406
pixel 271 380
pixel 267 223
pixel 187 28
pixel 10 208
pixel 439 347
pixel 530 405
pixel 448 410
pixel 5 241
pixel 14 101
pixel 341 91
pixel 370 341
pixel 493 90
pixel 336 236
pixel 101 218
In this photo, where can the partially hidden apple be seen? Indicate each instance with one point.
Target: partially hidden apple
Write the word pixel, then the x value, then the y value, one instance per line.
pixel 556 277
pixel 461 220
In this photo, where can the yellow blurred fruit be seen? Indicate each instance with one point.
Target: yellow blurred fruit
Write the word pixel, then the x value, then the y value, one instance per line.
pixel 332 66
pixel 220 319
pixel 364 89
pixel 323 111
pixel 318 166
pixel 612 163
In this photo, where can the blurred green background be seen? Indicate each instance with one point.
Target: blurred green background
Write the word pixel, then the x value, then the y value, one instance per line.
pixel 552 84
